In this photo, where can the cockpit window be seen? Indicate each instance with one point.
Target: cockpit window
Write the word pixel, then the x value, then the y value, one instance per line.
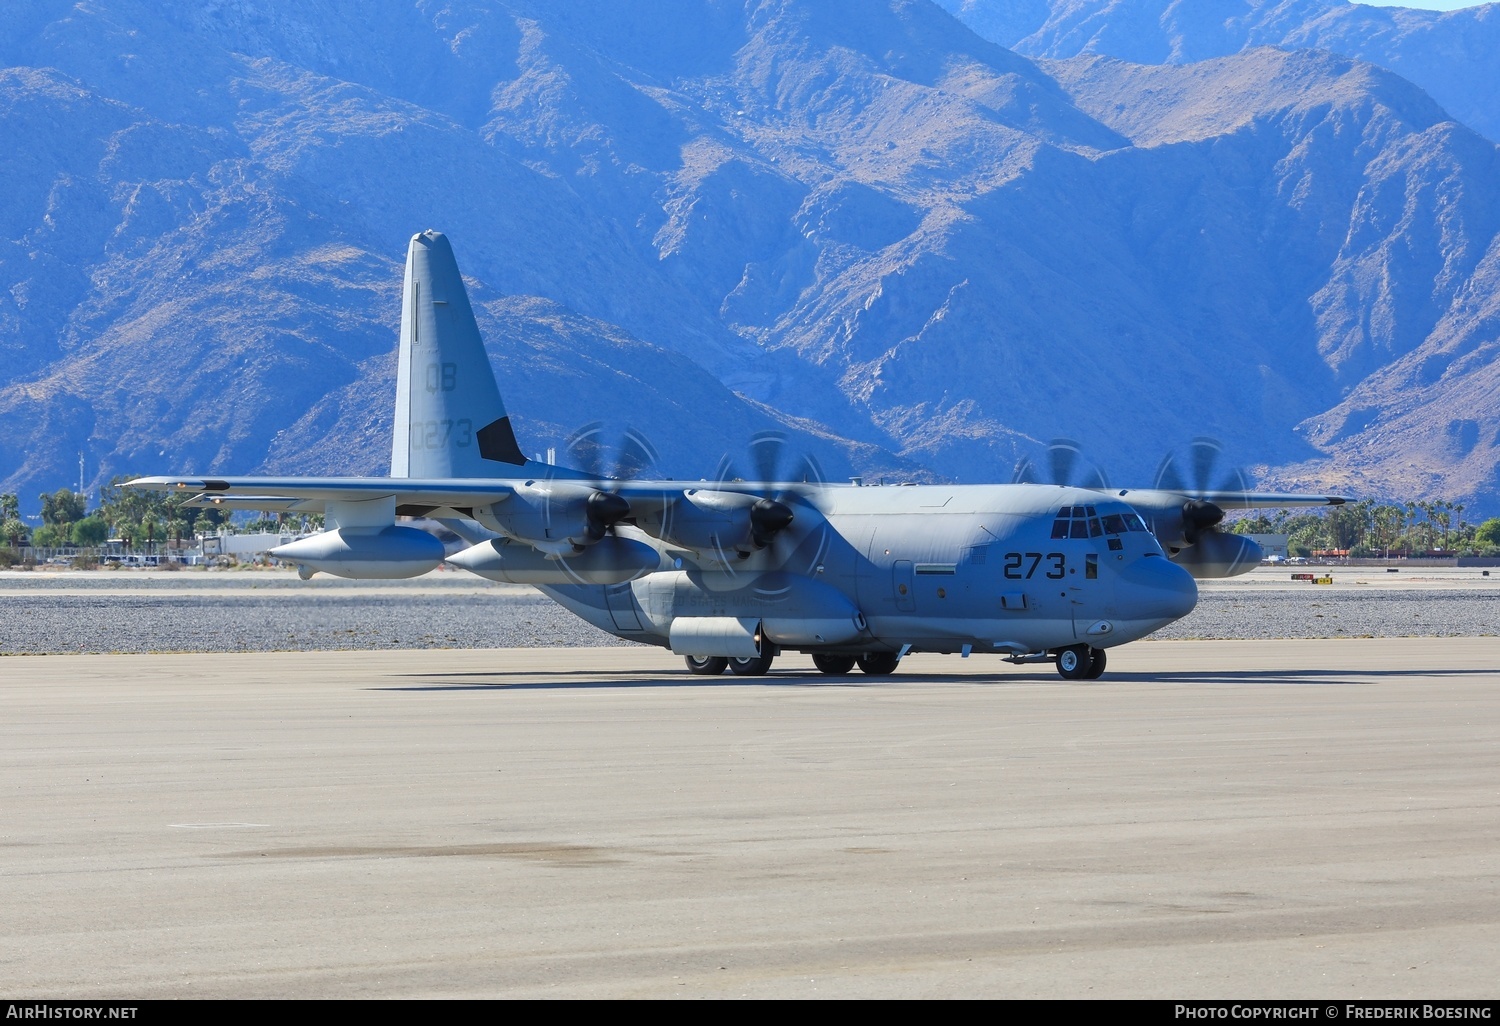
pixel 1089 522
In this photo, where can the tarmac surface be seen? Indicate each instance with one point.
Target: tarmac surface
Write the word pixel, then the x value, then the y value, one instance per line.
pixel 1245 819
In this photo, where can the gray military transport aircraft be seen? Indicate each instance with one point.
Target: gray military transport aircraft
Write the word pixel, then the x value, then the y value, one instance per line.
pixel 729 573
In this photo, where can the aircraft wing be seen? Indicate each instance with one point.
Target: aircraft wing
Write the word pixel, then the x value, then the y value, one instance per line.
pixel 313 492
pixel 1269 500
pixel 413 496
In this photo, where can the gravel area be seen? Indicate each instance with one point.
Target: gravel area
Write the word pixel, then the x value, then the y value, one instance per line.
pixel 273 611
pixel 1408 613
pixel 231 620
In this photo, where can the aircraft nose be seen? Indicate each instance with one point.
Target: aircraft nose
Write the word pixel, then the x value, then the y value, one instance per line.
pixel 1153 588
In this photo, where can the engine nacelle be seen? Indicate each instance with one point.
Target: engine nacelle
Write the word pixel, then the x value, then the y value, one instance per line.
pixel 1216 554
pixel 723 524
pixel 612 560
pixel 364 553
pixel 557 517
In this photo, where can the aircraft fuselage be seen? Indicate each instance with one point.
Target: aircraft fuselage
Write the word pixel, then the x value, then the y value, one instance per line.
pixel 1006 569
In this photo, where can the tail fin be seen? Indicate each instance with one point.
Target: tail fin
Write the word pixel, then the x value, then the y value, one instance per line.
pixel 450 420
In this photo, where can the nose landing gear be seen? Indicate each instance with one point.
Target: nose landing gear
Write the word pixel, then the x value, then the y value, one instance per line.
pixel 1080 662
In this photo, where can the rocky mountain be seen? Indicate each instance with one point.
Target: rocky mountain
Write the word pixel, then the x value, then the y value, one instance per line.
pixel 1453 55
pixel 918 252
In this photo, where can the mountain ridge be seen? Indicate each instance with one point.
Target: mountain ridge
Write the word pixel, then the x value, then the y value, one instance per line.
pixel 917 251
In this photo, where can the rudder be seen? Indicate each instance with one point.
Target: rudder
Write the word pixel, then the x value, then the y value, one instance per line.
pixel 450 420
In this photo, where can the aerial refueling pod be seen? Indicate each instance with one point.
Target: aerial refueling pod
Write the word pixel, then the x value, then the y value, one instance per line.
pixel 1217 554
pixel 612 560
pixel 364 553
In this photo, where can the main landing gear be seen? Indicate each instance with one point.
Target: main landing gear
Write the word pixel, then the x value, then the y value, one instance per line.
pixel 833 665
pixel 707 666
pixel 712 666
pixel 1080 662
pixel 755 666
pixel 876 664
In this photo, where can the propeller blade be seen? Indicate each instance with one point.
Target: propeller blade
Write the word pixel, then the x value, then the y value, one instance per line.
pixel 1168 479
pixel 765 454
pixel 1063 454
pixel 586 450
pixel 1067 465
pixel 636 455
pixel 590 450
pixel 1205 453
pixel 726 471
pixel 1203 458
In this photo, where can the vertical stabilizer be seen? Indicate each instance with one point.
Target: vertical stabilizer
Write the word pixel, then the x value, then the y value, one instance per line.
pixel 450 420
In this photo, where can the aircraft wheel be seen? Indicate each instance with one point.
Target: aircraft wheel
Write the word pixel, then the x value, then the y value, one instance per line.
pixel 835 665
pixel 753 667
pixel 878 664
pixel 708 666
pixel 1074 662
pixel 1097 659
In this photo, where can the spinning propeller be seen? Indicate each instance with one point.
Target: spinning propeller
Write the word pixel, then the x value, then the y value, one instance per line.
pixel 769 514
pixel 1195 477
pixel 1066 465
pixel 611 463
pixel 569 510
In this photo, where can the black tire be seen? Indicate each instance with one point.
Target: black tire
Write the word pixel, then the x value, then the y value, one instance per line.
pixel 833 665
pixel 879 664
pixel 753 667
pixel 707 666
pixel 1074 662
pixel 1097 659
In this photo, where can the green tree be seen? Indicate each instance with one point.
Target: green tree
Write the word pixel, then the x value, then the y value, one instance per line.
pixel 10 507
pixel 1488 532
pixel 13 531
pixel 63 506
pixel 90 532
pixel 50 536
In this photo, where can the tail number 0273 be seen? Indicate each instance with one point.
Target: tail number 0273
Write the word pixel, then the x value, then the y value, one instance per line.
pixel 439 434
pixel 1021 566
